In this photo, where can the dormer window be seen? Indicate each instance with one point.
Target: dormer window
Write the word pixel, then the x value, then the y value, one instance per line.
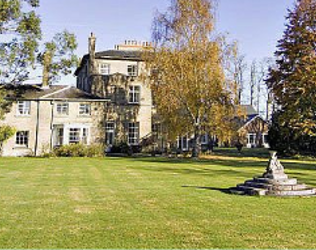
pixel 132 70
pixel 104 69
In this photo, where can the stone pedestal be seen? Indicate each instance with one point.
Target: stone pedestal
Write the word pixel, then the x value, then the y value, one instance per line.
pixel 273 182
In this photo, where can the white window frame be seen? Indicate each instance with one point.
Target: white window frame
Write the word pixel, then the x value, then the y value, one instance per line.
pixel 133 133
pixel 60 135
pixel 265 135
pixel 22 138
pixel 23 108
pixel 109 132
pixel 134 94
pixel 251 142
pixel 104 68
pixel 85 109
pixel 78 135
pixel 84 138
pixel 183 143
pixel 132 69
pixel 62 108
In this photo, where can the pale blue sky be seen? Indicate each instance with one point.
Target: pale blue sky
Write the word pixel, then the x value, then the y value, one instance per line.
pixel 256 24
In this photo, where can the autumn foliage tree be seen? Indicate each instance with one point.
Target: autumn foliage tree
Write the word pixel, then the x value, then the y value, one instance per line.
pixel 293 81
pixel 190 91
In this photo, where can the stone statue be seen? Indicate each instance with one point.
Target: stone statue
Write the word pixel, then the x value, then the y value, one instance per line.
pixel 275 170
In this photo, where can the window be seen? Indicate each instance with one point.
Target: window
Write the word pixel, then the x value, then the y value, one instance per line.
pixel 23 108
pixel 60 136
pixel 78 135
pixel 182 142
pixel 109 133
pixel 62 108
pixel 251 138
pixel 84 138
pixel 265 138
pixel 74 135
pixel 132 70
pixel 104 69
pixel 22 138
pixel 134 94
pixel 84 109
pixel 204 139
pixel 133 133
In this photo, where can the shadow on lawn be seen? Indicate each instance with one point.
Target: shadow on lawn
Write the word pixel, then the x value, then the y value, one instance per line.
pixel 231 167
pixel 195 171
pixel 223 190
pixel 242 163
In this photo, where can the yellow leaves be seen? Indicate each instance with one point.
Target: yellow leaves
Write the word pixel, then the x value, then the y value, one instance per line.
pixel 189 82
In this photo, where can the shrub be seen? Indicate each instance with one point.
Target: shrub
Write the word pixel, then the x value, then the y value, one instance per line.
pixel 79 150
pixel 5 133
pixel 96 150
pixel 239 146
pixel 121 148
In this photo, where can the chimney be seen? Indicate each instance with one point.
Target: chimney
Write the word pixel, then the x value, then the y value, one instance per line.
pixel 92 40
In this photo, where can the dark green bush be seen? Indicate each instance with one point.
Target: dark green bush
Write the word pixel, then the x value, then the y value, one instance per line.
pixel 121 148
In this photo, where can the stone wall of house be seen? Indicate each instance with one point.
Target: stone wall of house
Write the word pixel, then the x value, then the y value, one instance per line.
pixel 20 123
pixel 116 87
pixel 45 119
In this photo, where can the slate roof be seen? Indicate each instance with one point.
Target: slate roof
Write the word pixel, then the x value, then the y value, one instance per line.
pixel 134 55
pixel 71 93
pixel 28 91
pixel 250 111
pixel 33 92
pixel 131 55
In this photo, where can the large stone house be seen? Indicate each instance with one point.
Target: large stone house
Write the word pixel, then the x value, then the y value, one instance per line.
pixel 46 117
pixel 112 103
pixel 120 76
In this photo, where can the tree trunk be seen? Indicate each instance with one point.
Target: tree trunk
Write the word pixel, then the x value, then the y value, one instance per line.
pixel 196 143
pixel 46 65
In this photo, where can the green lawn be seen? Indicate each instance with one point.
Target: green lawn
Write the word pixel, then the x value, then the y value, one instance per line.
pixel 149 203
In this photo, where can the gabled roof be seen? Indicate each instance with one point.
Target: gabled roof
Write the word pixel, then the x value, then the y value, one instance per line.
pixel 250 115
pixel 70 93
pixel 250 120
pixel 53 92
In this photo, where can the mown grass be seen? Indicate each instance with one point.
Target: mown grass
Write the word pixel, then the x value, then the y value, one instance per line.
pixel 149 203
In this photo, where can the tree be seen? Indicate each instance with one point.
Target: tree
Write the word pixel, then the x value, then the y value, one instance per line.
pixel 239 69
pixel 20 36
pixel 259 93
pixel 293 81
pixel 189 87
pixel 58 56
pixel 19 39
pixel 5 133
